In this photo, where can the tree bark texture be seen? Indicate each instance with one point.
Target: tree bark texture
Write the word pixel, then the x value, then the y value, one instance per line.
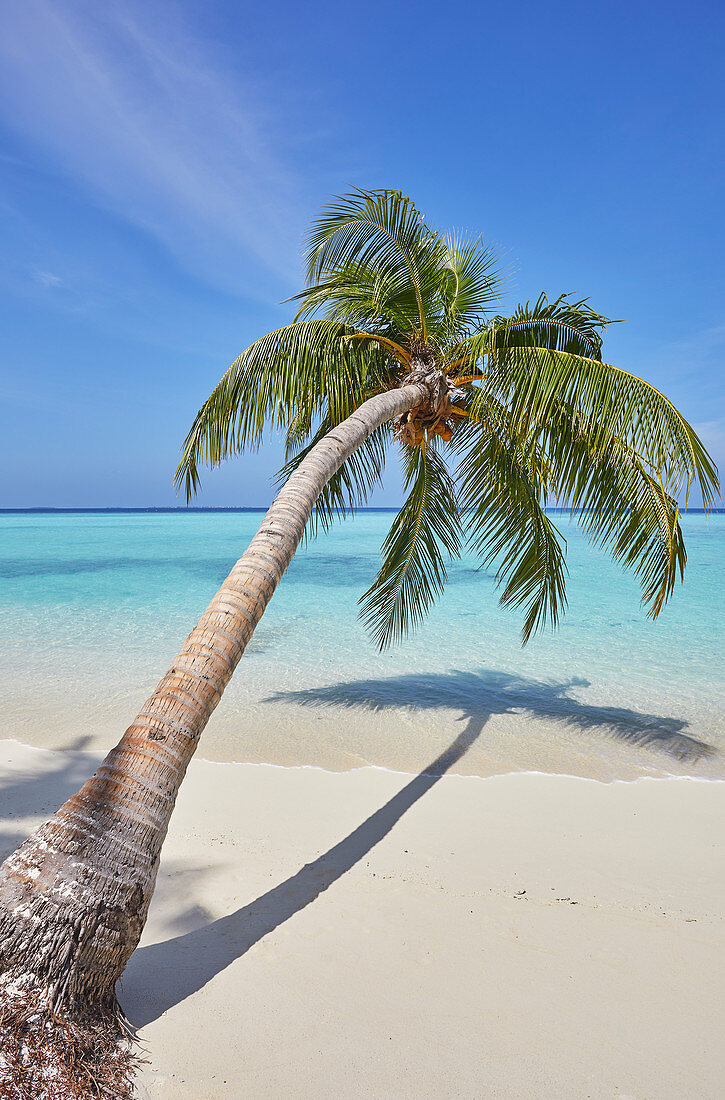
pixel 75 895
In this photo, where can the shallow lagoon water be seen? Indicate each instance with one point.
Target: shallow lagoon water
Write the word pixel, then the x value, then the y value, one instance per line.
pixel 93 607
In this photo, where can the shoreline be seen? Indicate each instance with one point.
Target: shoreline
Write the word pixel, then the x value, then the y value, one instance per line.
pixel 98 755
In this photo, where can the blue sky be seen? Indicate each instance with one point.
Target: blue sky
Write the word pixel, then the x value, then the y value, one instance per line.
pixel 160 162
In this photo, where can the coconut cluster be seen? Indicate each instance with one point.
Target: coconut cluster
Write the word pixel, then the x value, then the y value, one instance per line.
pixel 432 417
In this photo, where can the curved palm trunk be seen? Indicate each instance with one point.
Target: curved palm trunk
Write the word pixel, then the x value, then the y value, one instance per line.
pixel 75 895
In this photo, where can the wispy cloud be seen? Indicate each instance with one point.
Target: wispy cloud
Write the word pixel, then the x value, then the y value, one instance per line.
pixel 148 120
pixel 47 278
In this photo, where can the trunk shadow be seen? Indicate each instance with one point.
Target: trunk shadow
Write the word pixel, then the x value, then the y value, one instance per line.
pixel 38 791
pixel 164 974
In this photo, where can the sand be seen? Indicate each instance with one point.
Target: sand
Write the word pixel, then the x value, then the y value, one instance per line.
pixel 373 934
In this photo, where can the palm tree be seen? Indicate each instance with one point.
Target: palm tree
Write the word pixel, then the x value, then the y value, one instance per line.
pixel 395 342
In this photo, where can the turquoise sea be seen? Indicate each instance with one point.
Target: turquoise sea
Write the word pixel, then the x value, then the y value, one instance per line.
pixel 93 607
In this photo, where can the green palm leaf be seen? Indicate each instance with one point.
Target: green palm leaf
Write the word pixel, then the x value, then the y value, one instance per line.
pixel 612 406
pixel 413 572
pixel 622 507
pixel 305 370
pixel 474 284
pixel 382 231
pixel 562 325
pixel 363 297
pixel 502 499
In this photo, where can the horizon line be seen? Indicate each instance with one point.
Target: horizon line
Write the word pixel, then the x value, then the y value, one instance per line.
pixel 261 509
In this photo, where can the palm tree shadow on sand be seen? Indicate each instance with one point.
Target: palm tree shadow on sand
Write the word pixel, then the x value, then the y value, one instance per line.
pixel 34 791
pixel 185 964
pixel 480 695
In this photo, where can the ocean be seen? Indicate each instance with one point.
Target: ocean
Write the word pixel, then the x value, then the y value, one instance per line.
pixel 94 605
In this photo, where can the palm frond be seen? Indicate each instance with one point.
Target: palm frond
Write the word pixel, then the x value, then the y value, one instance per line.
pixel 383 232
pixel 474 284
pixel 622 507
pixel 613 407
pixel 363 297
pixel 413 571
pixel 560 325
pixel 502 498
pixel 305 370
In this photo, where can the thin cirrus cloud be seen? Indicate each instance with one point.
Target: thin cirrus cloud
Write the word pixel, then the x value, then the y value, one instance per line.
pixel 47 278
pixel 157 132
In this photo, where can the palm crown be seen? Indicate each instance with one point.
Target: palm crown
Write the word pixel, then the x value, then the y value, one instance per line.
pixel 522 410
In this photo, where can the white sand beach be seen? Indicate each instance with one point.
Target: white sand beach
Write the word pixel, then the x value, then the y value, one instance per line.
pixel 373 934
